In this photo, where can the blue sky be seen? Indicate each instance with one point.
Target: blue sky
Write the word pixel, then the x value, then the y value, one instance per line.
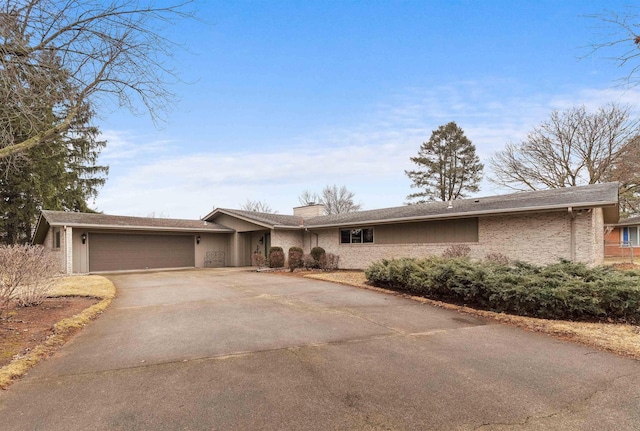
pixel 281 97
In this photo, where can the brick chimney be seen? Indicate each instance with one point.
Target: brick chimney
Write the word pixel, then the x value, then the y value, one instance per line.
pixel 309 211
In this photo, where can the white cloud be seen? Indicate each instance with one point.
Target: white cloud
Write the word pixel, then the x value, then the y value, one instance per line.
pixel 369 158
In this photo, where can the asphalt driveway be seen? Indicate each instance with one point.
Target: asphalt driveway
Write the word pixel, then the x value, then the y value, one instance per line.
pixel 224 350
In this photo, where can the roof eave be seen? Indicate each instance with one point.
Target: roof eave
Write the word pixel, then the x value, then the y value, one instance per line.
pixel 145 228
pixel 241 217
pixel 38 238
pixel 545 208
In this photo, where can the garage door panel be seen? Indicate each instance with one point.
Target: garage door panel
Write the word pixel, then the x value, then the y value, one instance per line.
pixel 115 252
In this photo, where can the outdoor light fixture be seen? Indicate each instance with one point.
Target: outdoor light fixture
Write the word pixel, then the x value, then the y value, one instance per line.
pixel 198 239
pixel 84 238
pixel 261 240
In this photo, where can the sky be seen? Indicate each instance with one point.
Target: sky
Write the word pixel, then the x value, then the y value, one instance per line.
pixel 278 97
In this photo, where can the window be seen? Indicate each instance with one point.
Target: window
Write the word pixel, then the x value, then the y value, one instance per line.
pixel 56 237
pixel 631 236
pixel 356 236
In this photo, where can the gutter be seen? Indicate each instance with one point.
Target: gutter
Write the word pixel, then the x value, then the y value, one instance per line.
pixel 143 228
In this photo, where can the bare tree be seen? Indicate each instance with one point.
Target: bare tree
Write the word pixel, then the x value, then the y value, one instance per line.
pixel 257 207
pixel 71 55
pixel 309 198
pixel 338 200
pixel 575 147
pixel 621 39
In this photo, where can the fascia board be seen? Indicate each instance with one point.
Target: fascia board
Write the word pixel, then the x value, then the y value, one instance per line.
pixel 143 228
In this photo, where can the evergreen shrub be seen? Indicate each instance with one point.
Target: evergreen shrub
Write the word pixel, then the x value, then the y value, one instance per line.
pixel 563 290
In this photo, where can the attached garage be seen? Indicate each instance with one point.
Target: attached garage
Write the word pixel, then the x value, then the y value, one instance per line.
pixel 124 251
pixel 92 242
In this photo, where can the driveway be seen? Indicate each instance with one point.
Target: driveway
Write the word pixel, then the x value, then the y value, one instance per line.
pixel 236 350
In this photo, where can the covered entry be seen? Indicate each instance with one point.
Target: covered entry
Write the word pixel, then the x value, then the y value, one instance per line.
pixel 125 251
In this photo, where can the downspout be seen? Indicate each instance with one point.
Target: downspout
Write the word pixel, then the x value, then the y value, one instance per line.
pixel 572 234
pixel 68 249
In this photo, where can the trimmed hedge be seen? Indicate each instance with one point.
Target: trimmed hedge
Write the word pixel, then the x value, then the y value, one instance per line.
pixel 276 257
pixel 317 253
pixel 295 258
pixel 564 290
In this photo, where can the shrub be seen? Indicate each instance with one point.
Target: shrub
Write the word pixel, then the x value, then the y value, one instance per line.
pixel 329 262
pixel 26 274
pixel 276 257
pixel 309 262
pixel 259 260
pixel 497 258
pixel 295 258
pixel 456 250
pixel 563 290
pixel 317 253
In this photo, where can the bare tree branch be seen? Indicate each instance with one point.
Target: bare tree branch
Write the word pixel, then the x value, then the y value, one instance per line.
pixel 620 37
pixel 257 206
pixel 70 54
pixel 572 148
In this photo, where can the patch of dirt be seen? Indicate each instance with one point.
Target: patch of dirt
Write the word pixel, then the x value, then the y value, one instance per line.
pixel 23 328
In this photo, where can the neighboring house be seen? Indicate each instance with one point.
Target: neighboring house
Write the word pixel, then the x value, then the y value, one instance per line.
pixel 537 227
pixel 622 239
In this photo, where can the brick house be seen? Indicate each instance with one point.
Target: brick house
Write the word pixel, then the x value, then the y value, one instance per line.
pixel 537 227
pixel 622 239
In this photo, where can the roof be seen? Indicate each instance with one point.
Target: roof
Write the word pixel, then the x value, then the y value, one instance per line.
pixel 628 221
pixel 104 221
pixel 582 197
pixel 264 219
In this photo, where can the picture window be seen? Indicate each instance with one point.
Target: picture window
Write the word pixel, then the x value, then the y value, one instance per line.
pixel 356 236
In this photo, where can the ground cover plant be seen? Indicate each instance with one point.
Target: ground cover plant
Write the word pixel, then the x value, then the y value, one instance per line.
pixel 563 290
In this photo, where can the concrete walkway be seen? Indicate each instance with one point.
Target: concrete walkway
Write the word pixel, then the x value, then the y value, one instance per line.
pixel 234 350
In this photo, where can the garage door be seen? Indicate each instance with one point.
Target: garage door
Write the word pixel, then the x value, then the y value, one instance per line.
pixel 115 252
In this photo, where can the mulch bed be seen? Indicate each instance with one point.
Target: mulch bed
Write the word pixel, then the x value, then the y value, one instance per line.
pixel 23 328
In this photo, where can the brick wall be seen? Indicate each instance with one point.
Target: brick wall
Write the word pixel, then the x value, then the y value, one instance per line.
pixel 535 238
pixel 57 254
pixel 286 239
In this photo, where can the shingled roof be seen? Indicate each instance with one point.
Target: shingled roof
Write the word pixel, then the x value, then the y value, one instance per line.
pixel 590 196
pixel 628 221
pixel 104 221
pixel 596 195
pixel 265 219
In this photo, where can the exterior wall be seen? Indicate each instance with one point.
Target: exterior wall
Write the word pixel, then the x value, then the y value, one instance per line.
pixel 613 245
pixel 428 232
pixel 309 211
pixel 287 239
pixel 57 254
pixel 536 238
pixel 211 242
pixel 589 230
pixel 237 224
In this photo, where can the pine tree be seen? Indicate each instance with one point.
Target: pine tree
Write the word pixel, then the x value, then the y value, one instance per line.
pixel 61 175
pixel 448 167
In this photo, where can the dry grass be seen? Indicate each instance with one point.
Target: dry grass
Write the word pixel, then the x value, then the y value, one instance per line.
pixel 89 285
pixel 616 338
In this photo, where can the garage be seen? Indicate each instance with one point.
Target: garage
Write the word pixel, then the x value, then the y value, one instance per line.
pixel 129 251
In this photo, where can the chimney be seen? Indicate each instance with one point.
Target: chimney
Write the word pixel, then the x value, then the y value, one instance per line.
pixel 308 211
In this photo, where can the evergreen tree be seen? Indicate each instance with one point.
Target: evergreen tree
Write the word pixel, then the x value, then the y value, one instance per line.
pixel 448 167
pixel 61 175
